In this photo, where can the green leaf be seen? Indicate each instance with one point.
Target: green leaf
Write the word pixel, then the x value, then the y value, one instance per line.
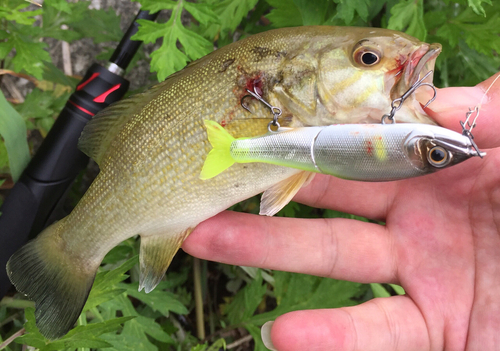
pixel 13 132
pixel 4 158
pixel 105 285
pixel 216 346
pixel 201 12
pixel 29 56
pixel 150 31
pixel 81 336
pixel 408 16
pixel 161 301
pixel 21 17
pixel 398 289
pixel 168 59
pixel 338 214
pixel 157 5
pixel 246 301
pixel 379 290
pixel 100 25
pixel 284 14
pixel 53 74
pixel 347 8
pixel 195 46
pixel 299 292
pixel 5 48
pixel 229 13
pixel 481 66
pixel 61 5
pixel 135 333
pixel 477 6
pixel 314 15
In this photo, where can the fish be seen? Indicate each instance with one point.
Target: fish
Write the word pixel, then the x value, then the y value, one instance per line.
pixel 151 147
pixel 363 152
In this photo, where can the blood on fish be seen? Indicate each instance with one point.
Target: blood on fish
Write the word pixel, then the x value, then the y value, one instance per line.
pixel 255 84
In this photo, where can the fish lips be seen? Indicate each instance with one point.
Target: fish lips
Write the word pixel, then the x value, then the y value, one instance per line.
pixel 419 64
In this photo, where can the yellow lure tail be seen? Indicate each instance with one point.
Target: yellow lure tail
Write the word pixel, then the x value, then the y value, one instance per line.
pixel 219 158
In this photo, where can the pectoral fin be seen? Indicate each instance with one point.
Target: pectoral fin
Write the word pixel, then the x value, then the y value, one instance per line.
pixel 276 197
pixel 155 256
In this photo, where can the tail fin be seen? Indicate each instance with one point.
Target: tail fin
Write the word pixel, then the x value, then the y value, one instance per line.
pixel 219 158
pixel 57 283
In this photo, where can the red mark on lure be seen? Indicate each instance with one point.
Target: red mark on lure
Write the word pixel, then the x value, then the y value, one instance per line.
pixel 369 148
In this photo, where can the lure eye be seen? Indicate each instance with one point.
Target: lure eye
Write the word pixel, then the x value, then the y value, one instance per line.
pixel 438 156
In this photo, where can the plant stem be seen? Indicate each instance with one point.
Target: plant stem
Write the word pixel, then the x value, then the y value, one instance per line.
pixel 10 318
pixel 15 303
pixel 198 298
pixel 12 338
pixel 239 342
pixel 82 320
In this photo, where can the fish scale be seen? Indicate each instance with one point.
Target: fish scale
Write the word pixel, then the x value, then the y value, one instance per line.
pixel 151 148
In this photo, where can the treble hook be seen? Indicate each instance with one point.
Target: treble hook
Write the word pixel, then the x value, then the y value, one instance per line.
pixel 468 132
pixel 276 111
pixel 396 104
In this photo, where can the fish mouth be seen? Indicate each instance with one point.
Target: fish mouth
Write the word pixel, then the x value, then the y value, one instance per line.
pixel 420 63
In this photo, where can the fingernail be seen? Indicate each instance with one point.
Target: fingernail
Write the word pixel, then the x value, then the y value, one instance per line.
pixel 265 333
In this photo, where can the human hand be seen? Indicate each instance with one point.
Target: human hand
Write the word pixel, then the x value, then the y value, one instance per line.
pixel 441 242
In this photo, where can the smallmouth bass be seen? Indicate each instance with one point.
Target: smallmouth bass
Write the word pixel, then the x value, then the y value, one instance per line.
pixel 151 148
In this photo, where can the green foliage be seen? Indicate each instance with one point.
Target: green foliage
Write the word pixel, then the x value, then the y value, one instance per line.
pixel 23 51
pixel 13 132
pixel 117 316
pixel 477 7
pixel 168 58
pixel 409 15
pixel 81 336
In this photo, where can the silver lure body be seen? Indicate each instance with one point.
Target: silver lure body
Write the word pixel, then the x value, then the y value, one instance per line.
pixel 366 152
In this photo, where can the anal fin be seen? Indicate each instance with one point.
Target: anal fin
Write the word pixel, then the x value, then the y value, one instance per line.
pixel 157 251
pixel 276 197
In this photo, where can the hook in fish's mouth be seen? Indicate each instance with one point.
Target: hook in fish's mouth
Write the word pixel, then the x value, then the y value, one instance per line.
pixel 417 66
pixel 421 62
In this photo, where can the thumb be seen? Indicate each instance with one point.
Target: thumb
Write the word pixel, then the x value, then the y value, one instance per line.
pixel 394 323
pixel 452 104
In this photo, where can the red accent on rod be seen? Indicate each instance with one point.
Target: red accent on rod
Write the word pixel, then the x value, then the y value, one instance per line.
pixel 82 109
pixel 103 96
pixel 92 77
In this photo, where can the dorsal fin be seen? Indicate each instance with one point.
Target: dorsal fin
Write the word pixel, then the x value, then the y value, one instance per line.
pixel 107 124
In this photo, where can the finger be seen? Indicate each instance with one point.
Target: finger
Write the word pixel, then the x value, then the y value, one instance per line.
pixel 393 323
pixel 336 248
pixel 366 199
pixel 452 103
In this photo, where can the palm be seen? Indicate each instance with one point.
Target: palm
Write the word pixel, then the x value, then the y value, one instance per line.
pixel 441 242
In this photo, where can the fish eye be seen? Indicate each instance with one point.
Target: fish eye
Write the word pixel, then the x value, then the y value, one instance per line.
pixel 366 57
pixel 438 156
pixel 369 58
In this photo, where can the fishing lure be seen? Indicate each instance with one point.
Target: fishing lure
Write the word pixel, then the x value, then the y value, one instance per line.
pixel 366 152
